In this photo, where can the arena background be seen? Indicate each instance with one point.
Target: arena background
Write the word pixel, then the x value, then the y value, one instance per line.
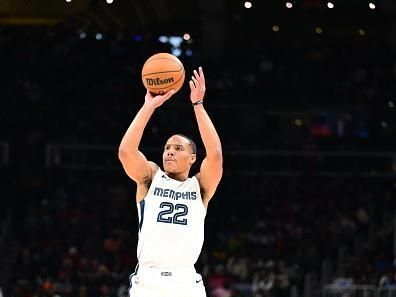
pixel 303 99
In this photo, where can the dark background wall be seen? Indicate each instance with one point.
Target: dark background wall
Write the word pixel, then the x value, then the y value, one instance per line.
pixel 303 100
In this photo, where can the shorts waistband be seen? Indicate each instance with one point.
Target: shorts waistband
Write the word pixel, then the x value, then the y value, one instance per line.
pixel 167 272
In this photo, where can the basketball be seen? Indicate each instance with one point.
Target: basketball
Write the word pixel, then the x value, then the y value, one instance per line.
pixel 163 72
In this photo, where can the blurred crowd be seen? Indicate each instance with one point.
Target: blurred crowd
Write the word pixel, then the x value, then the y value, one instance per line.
pixel 78 231
pixel 262 236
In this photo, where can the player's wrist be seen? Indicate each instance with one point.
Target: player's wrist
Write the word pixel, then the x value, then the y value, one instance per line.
pixel 198 102
pixel 149 106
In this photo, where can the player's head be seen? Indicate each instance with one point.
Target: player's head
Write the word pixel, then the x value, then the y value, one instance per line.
pixel 179 154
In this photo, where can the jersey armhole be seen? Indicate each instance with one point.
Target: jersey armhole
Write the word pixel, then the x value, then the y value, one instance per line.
pixel 200 191
pixel 150 183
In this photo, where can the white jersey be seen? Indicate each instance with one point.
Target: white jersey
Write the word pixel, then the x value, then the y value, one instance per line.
pixel 171 223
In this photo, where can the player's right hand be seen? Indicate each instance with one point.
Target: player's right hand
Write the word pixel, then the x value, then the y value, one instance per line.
pixel 158 100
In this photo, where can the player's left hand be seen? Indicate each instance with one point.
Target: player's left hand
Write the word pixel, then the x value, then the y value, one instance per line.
pixel 197 85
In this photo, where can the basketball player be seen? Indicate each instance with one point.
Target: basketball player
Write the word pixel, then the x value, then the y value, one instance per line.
pixel 171 206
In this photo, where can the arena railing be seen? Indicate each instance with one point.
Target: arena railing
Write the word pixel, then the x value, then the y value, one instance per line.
pixel 364 290
pixel 387 291
pixel 350 290
pixel 243 162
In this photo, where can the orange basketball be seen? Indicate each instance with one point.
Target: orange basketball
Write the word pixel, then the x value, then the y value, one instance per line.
pixel 163 72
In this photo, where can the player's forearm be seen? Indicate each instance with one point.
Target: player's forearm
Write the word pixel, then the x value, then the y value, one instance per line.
pixel 208 132
pixel 131 140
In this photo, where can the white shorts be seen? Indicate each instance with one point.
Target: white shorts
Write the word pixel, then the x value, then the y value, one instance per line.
pixel 154 282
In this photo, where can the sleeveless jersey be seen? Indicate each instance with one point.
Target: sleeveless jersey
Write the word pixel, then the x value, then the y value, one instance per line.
pixel 171 223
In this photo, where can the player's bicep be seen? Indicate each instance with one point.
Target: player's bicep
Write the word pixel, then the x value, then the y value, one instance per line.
pixel 210 175
pixel 137 167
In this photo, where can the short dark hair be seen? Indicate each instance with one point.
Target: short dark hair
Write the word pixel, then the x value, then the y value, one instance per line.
pixel 192 143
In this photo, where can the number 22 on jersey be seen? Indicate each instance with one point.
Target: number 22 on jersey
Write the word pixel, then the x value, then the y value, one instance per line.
pixel 173 214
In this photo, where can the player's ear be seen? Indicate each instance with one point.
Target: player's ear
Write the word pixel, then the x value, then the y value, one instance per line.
pixel 193 159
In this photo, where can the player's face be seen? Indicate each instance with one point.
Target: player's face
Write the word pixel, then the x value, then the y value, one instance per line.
pixel 177 156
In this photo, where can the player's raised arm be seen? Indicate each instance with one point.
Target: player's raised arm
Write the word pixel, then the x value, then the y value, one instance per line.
pixel 134 162
pixel 212 166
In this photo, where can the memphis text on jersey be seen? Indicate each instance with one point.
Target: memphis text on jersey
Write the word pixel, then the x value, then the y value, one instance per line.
pixel 157 81
pixel 168 193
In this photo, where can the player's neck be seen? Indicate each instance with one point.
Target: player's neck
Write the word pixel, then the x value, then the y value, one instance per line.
pixel 178 176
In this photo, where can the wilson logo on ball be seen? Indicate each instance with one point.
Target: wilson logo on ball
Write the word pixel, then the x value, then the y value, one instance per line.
pixel 157 81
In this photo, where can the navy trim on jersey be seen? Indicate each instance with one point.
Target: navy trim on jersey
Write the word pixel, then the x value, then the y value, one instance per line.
pixel 141 204
pixel 130 279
